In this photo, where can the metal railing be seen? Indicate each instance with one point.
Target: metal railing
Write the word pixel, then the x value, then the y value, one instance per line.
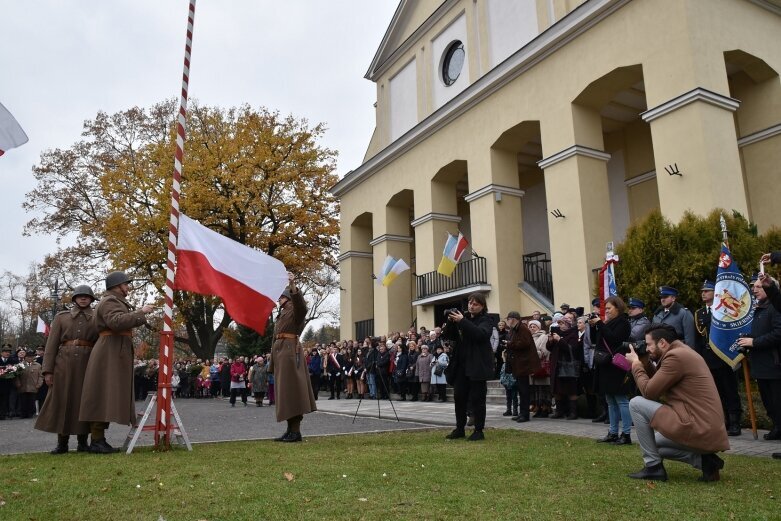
pixel 467 273
pixel 364 328
pixel 537 273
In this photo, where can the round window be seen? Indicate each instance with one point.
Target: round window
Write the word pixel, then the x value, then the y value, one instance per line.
pixel 453 62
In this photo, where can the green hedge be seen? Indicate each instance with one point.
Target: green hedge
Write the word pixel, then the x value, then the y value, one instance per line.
pixel 658 253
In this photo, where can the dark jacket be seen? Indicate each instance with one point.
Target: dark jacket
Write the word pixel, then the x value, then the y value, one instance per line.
pixel 702 320
pixel 383 362
pixel 765 355
pixel 522 357
pixel 610 379
pixel 400 372
pixel 566 348
pixel 371 359
pixel 470 341
pixel 315 364
pixel 680 318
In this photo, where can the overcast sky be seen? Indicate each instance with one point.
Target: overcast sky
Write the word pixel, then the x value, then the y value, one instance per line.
pixel 63 61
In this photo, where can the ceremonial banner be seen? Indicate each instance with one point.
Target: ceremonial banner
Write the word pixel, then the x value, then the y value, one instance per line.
pixel 607 281
pixel 43 327
pixel 391 269
pixel 732 310
pixel 11 133
pixel 248 281
pixel 454 248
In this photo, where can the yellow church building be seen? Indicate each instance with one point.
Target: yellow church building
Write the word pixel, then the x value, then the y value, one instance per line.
pixel 541 130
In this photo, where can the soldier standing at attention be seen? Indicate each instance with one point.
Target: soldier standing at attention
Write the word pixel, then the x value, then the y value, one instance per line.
pixel 293 388
pixel 723 375
pixel 73 333
pixel 671 312
pixel 108 383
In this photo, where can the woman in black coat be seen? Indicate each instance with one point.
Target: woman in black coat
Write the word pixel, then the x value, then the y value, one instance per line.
pixel 614 382
pixel 566 359
pixel 471 363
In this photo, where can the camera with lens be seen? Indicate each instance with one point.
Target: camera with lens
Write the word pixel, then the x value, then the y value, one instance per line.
pixel 555 330
pixel 592 316
pixel 640 346
pixel 451 310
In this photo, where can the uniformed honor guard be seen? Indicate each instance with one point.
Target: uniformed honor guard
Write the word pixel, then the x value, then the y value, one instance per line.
pixel 671 312
pixel 723 375
pixel 108 384
pixel 294 396
pixel 73 333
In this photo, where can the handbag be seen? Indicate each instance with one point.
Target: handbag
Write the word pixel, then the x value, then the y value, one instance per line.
pixel 439 370
pixel 601 358
pixel 544 370
pixel 568 368
pixel 618 360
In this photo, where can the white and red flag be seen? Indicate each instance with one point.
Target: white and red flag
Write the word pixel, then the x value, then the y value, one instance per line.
pixel 248 281
pixel 43 327
pixel 11 133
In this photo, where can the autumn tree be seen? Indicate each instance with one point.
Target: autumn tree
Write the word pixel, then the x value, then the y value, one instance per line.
pixel 253 175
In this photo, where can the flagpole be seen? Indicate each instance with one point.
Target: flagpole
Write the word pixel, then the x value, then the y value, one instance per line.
pixel 746 374
pixel 163 423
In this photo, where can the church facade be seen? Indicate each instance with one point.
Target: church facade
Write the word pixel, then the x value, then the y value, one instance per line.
pixel 541 130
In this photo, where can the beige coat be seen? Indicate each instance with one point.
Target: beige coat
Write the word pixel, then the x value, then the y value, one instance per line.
pixel 292 386
pixel 692 414
pixel 108 384
pixel 68 364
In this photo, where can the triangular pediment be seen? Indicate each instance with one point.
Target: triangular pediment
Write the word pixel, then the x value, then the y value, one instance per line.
pixel 410 15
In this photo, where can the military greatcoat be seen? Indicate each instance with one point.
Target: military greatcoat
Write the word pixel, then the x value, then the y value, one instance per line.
pixel 292 385
pixel 108 384
pixel 72 335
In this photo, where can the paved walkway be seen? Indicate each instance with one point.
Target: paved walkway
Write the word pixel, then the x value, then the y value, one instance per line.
pixel 209 421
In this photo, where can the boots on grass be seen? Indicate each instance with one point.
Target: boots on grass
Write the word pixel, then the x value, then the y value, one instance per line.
pixel 62 445
pixel 624 439
pixel 82 445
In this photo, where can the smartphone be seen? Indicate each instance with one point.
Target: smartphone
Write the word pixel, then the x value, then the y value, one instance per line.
pixel 761 268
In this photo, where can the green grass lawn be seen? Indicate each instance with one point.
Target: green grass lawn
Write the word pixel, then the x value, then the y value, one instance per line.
pixel 401 475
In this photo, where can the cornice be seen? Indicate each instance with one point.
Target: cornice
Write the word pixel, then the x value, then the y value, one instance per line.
pixel 583 18
pixel 574 150
pixel 494 189
pixel 642 178
pixel 389 237
pixel 762 135
pixel 450 294
pixel 698 94
pixel 433 216
pixel 354 254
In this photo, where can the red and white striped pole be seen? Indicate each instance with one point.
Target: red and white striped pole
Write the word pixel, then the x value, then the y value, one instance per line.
pixel 164 425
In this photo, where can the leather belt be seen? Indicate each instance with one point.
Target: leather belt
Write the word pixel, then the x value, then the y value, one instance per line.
pixel 286 335
pixel 116 333
pixel 79 343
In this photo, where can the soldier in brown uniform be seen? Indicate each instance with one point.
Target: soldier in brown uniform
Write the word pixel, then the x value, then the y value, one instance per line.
pixel 294 396
pixel 72 335
pixel 108 383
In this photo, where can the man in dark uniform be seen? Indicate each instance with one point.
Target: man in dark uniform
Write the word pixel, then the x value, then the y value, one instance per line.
pixel 108 382
pixel 73 333
pixel 294 396
pixel 671 312
pixel 725 378
pixel 6 359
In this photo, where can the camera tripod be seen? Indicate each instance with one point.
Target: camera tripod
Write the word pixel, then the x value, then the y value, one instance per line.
pixel 376 373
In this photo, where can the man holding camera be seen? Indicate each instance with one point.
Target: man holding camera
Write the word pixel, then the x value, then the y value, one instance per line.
pixel 471 363
pixel 689 427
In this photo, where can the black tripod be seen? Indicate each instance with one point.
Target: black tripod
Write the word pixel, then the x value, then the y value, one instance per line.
pixel 376 373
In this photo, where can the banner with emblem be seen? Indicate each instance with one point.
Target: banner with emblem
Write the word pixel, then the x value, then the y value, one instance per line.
pixel 732 311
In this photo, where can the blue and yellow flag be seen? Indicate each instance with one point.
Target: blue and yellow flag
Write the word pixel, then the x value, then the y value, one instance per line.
pixel 732 311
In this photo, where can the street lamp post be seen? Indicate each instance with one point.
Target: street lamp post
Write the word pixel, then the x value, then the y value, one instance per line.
pixel 55 294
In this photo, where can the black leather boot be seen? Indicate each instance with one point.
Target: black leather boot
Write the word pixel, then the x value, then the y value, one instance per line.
pixel 652 473
pixel 62 445
pixel 573 410
pixel 82 445
pixel 282 438
pixel 711 465
pixel 610 438
pixel 733 429
pixel 623 439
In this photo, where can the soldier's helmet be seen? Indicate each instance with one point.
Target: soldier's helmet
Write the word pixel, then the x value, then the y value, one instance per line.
pixel 115 278
pixel 82 290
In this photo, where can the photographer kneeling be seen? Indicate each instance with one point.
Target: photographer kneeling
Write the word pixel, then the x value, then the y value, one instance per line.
pixel 689 427
pixel 471 363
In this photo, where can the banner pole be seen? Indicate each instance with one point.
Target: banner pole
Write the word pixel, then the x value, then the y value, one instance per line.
pixel 163 423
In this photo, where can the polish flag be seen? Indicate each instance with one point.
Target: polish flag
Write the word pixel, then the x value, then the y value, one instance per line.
pixel 43 327
pixel 11 134
pixel 248 281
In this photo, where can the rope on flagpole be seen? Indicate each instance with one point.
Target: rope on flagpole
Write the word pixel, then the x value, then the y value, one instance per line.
pixel 163 418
